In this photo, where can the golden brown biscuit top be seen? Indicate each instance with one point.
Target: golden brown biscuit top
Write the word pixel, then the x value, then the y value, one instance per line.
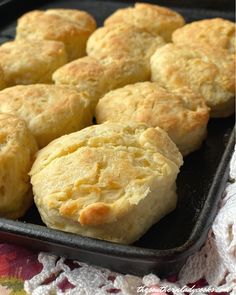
pixel 206 69
pixel 34 101
pixel 152 18
pixel 105 164
pixel 81 18
pixel 174 111
pixel 215 32
pixel 12 53
pixel 123 40
pixel 85 68
pixel 55 24
pixel 86 74
pixel 49 110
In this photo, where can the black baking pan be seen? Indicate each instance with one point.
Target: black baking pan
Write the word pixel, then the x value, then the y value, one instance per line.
pixel 200 184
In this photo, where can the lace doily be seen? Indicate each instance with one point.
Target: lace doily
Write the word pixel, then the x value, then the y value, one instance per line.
pixel 211 270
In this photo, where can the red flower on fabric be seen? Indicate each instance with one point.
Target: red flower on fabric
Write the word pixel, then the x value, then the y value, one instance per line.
pixel 18 263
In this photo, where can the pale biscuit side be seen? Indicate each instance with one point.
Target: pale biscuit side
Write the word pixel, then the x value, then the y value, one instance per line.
pixel 2 80
pixel 17 149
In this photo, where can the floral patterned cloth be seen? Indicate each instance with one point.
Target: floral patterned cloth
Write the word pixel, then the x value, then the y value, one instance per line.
pixel 16 266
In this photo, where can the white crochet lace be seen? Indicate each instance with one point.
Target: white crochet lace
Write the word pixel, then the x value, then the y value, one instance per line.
pixel 216 262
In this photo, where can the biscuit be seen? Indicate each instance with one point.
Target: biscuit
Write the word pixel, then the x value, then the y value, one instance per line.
pixel 17 149
pixel 215 32
pixel 206 71
pixel 86 74
pixel 50 111
pixel 99 181
pixel 70 26
pixel 128 41
pixel 2 80
pixel 183 116
pixel 154 19
pixel 29 62
pixel 95 77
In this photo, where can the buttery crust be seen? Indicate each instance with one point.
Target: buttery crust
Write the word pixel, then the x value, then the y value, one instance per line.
pixel 154 19
pixel 50 111
pixel 216 32
pixel 206 71
pixel 70 26
pixel 17 149
pixel 98 182
pixel 29 62
pixel 182 114
pixel 2 80
pixel 127 41
pixel 95 77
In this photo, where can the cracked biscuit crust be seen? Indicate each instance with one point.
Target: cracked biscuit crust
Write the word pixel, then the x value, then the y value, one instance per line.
pixel 50 111
pixel 70 26
pixel 151 18
pixel 206 71
pixel 108 181
pixel 182 114
pixel 217 32
pixel 31 62
pixel 17 149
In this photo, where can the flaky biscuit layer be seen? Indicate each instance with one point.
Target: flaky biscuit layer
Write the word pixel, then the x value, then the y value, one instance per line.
pixel 17 149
